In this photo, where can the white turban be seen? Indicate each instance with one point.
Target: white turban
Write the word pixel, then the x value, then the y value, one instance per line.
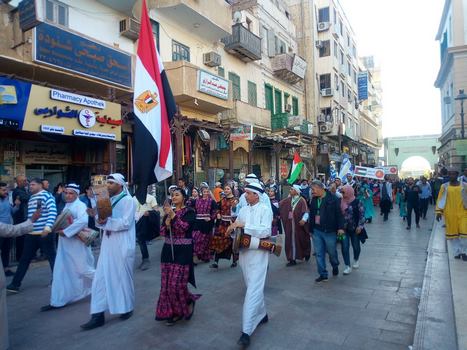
pixel 172 187
pixel 255 188
pixel 296 188
pixel 252 178
pixel 116 178
pixel 74 187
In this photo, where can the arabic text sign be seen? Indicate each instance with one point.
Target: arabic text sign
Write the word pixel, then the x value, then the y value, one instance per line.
pixel 27 14
pixel 243 132
pixel 363 86
pixel 371 173
pixel 45 153
pixel 299 66
pixel 63 49
pixel 213 85
pixel 59 117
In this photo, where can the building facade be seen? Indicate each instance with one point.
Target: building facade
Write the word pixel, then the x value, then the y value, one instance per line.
pixel 452 77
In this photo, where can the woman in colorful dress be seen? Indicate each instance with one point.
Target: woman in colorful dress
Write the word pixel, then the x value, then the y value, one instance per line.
pixel 194 196
pixel 365 195
pixel 400 201
pixel 175 300
pixel 376 194
pixel 206 213
pixel 221 244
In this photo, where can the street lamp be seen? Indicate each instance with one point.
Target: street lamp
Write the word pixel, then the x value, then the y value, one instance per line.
pixel 461 97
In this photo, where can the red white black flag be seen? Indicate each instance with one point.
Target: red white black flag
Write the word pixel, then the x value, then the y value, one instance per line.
pixel 154 108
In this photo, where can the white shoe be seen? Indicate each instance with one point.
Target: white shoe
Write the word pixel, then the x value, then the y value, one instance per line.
pixel 355 264
pixel 347 270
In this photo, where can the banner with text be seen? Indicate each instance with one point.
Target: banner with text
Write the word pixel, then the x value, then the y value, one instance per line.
pixel 371 173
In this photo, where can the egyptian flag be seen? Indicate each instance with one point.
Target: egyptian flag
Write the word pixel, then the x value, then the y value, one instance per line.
pixel 154 108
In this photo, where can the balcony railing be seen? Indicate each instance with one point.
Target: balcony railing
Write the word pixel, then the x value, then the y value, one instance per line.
pixel 291 68
pixel 282 121
pixel 243 44
pixel 244 113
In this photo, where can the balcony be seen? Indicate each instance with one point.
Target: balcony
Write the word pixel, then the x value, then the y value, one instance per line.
pixel 210 20
pixel 243 44
pixel 183 78
pixel 244 113
pixel 291 68
pixel 283 121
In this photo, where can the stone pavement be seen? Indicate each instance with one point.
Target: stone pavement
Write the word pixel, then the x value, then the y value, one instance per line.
pixel 374 307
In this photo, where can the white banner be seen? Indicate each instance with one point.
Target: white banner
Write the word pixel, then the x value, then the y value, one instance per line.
pixel 372 173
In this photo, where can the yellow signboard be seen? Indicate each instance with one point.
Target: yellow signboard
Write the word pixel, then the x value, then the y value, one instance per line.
pixel 59 112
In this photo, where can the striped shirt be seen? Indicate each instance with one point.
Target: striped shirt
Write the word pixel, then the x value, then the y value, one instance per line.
pixel 49 211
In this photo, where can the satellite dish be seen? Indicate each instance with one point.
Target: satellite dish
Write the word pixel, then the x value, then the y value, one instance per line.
pixel 237 17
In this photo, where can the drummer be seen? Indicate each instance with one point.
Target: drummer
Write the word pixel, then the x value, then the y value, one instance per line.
pixel 74 265
pixel 256 220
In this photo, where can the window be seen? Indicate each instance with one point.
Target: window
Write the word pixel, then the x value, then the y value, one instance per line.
pixel 323 14
pixel 252 98
pixel 280 46
pixel 180 52
pixel 286 98
pixel 278 101
pixel 264 40
pixel 325 49
pixel 56 12
pixel 335 16
pixel 341 27
pixel 221 72
pixel 349 69
pixel 249 24
pixel 269 97
pixel 336 50
pixel 336 81
pixel 349 95
pixel 348 40
pixel 155 31
pixel 342 89
pixel 294 105
pixel 342 57
pixel 354 51
pixel 235 79
pixel 325 81
pixel 355 76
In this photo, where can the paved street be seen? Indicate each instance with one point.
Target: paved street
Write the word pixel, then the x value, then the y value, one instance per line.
pixel 373 308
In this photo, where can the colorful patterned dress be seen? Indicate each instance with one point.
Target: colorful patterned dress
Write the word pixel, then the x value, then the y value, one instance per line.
pixel 202 230
pixel 174 297
pixel 220 244
pixel 365 196
pixel 276 218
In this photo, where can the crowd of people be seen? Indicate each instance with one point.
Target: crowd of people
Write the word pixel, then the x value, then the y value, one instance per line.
pixel 200 225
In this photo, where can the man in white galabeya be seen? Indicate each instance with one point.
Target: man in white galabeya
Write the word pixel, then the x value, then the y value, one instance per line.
pixel 256 221
pixel 74 264
pixel 113 286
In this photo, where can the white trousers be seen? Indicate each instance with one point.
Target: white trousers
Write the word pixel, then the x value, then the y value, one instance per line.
pixel 458 245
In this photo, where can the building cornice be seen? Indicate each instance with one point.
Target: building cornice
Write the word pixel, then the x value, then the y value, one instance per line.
pixel 447 5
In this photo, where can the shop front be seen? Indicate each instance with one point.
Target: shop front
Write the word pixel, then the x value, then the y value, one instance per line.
pixel 54 134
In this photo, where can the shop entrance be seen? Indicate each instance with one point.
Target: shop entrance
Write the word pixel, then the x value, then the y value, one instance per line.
pixel 54 173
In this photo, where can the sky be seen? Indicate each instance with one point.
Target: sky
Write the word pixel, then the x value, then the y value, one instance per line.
pixel 401 35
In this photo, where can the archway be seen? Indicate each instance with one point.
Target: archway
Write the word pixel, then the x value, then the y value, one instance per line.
pixel 415 166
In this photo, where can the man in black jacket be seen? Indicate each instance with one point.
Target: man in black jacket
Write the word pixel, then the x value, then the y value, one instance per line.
pixel 411 192
pixel 326 223
pixel 21 193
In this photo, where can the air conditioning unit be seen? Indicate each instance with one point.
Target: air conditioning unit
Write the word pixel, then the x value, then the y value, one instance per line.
pixel 323 26
pixel 321 118
pixel 288 108
pixel 326 92
pixel 129 28
pixel 319 44
pixel 325 128
pixel 212 59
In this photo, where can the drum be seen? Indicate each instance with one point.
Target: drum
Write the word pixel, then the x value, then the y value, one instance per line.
pixel 88 236
pixel 103 204
pixel 64 220
pixel 236 236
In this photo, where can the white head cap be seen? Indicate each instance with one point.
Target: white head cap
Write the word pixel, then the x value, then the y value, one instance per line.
pixel 74 187
pixel 116 178
pixel 251 178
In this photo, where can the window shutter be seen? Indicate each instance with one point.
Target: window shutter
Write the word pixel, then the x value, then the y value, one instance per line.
pixel 271 43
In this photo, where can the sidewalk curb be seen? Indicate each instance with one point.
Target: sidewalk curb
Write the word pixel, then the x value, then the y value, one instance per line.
pixel 457 269
pixel 435 327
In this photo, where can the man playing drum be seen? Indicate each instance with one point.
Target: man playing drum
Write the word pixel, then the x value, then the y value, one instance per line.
pixel 113 287
pixel 256 220
pixel 74 264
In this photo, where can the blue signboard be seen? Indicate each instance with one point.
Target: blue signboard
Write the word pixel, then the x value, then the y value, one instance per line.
pixel 63 49
pixel 363 86
pixel 14 97
pixel 27 14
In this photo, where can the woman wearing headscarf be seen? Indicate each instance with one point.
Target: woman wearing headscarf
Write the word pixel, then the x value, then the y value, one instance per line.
pixel 175 300
pixel 365 195
pixel 294 216
pixel 221 244
pixel 206 213
pixel 276 217
pixel 354 220
pixel 194 196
